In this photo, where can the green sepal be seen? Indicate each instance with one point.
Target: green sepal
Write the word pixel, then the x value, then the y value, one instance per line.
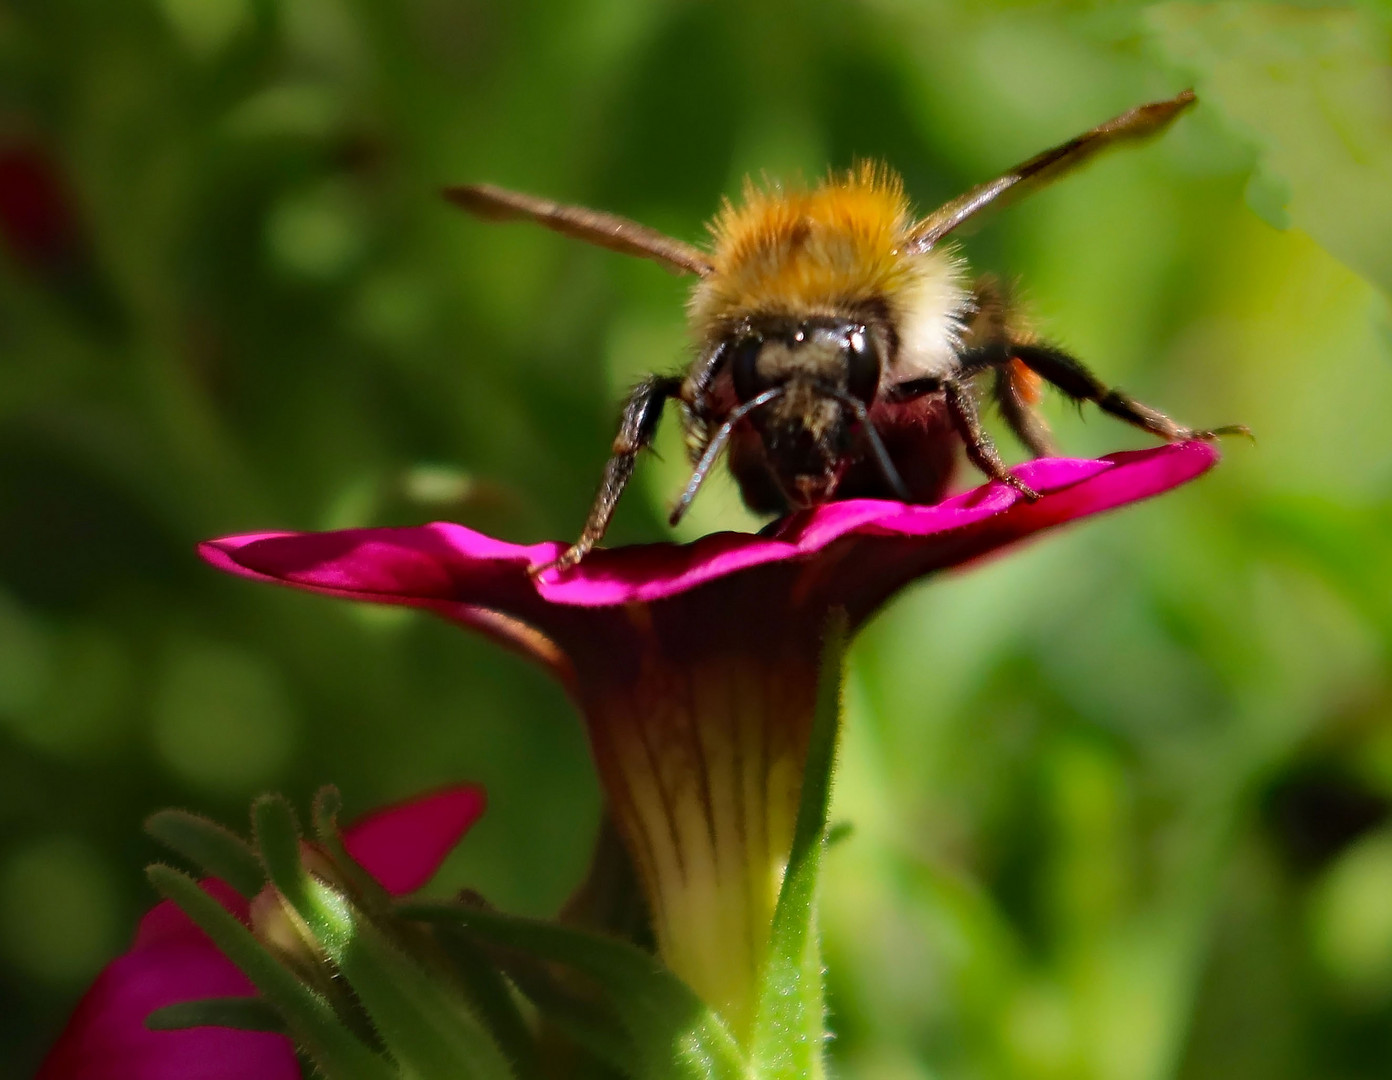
pixel 673 1034
pixel 421 1017
pixel 241 1013
pixel 789 1034
pixel 590 1023
pixel 367 890
pixel 318 1032
pixel 490 996
pixel 485 990
pixel 214 849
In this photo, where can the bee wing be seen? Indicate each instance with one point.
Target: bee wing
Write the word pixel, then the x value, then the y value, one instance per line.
pixel 593 226
pixel 1133 125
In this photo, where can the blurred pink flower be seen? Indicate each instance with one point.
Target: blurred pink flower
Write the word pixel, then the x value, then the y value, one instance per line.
pixel 172 961
pixel 695 665
pixel 40 226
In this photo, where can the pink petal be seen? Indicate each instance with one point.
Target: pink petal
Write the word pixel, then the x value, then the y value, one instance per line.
pixel 955 527
pixel 403 845
pixel 171 961
pixel 455 571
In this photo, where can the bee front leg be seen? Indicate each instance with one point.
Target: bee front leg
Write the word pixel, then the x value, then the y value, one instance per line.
pixel 637 427
pixel 961 406
pixel 1069 375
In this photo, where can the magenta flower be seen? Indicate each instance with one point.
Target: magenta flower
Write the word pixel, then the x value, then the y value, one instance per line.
pixel 695 665
pixel 171 961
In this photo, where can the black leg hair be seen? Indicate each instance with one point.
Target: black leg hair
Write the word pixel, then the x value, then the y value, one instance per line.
pixel 699 379
pixel 980 449
pixel 1070 376
pixel 637 427
pixel 970 363
pixel 695 393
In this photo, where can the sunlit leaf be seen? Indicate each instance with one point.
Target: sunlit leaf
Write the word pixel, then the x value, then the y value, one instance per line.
pixel 1311 88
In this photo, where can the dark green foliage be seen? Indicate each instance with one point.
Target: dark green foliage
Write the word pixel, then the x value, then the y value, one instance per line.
pixel 1069 772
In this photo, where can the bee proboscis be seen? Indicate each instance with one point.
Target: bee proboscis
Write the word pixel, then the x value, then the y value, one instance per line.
pixel 838 339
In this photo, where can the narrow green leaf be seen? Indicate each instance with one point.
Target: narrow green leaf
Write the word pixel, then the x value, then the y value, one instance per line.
pixel 788 1039
pixel 214 849
pixel 242 1013
pixel 423 1021
pixel 317 1031
pixel 674 1034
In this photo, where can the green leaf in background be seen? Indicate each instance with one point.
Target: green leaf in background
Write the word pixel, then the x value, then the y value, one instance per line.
pixel 1312 88
pixel 1072 771
pixel 789 1029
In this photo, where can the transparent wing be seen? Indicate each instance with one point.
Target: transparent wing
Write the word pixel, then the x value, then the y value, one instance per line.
pixel 1131 126
pixel 593 226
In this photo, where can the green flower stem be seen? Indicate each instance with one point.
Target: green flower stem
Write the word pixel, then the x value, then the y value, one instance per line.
pixel 789 1035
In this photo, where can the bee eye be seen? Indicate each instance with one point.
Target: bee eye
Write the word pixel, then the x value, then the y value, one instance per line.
pixel 862 366
pixel 744 361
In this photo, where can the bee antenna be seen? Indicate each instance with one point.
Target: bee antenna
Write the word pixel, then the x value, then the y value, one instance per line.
pixel 717 444
pixel 877 446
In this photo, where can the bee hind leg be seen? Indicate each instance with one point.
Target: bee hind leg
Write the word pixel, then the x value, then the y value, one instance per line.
pixel 637 428
pixel 994 330
pixel 1069 375
pixel 1019 412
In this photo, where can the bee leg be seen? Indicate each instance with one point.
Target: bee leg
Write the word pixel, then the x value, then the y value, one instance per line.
pixel 961 406
pixel 1069 375
pixel 637 427
pixel 992 333
pixel 1029 427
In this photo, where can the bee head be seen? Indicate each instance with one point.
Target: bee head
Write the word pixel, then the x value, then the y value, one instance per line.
pixel 824 374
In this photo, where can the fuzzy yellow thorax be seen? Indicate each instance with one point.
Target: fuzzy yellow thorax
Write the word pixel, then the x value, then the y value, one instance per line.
pixel 807 252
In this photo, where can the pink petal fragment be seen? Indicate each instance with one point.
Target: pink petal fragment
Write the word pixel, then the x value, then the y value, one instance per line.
pixel 432 562
pixel 442 564
pixel 171 961
pixel 403 845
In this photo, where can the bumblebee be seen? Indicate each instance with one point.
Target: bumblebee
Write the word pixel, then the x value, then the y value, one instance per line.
pixel 839 340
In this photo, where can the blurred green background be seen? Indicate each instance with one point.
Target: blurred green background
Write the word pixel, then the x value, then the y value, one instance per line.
pixel 1121 800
